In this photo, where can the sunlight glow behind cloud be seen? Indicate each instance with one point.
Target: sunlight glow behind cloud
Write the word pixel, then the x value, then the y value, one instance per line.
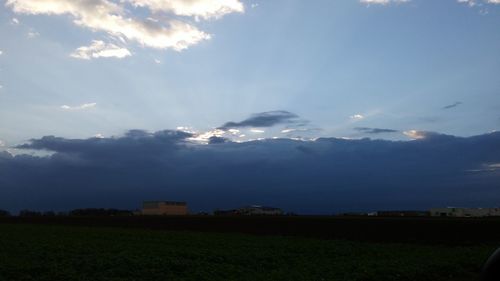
pixel 414 134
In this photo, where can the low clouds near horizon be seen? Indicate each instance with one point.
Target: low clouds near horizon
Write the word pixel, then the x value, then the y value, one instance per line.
pixel 322 176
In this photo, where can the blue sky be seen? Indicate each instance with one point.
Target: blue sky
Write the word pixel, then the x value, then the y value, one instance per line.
pixel 395 64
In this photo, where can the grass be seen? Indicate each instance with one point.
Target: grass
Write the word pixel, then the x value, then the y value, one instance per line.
pixel 52 253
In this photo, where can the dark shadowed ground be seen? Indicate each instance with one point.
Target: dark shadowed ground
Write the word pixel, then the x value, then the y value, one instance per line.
pixel 414 230
pixel 244 248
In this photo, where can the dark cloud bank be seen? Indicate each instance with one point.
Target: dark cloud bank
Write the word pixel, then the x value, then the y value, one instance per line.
pixel 265 119
pixel 375 131
pixel 323 176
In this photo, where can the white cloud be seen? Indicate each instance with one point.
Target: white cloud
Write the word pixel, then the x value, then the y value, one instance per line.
pixel 257 131
pixel 1 52
pixel 118 22
pixel 99 49
pixel 32 34
pixel 79 107
pixel 356 117
pixel 14 21
pixel 184 129
pixel 205 9
pixel 157 61
pixel 474 3
pixel 471 3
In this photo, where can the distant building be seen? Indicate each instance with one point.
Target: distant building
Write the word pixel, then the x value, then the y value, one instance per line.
pixel 388 214
pixel 166 208
pixel 253 210
pixel 402 213
pixel 465 212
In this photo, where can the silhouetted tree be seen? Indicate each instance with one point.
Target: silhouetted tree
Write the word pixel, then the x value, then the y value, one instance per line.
pixel 29 213
pixel 94 212
pixel 4 213
pixel 49 214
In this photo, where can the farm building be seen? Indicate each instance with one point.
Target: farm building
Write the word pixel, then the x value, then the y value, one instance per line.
pixel 465 212
pixel 168 208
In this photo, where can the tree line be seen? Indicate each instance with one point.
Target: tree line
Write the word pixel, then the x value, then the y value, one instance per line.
pixel 86 212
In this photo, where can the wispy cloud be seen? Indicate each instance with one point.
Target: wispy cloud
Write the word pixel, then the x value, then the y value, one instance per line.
pixel 99 49
pixel 79 107
pixel 471 3
pixel 453 105
pixel 32 34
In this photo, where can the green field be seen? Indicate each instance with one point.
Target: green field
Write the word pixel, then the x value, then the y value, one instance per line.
pixel 44 252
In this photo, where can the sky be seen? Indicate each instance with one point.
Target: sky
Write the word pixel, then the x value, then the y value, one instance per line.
pixel 250 91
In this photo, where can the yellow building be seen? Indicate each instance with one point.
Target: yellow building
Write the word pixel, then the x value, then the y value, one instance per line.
pixel 166 208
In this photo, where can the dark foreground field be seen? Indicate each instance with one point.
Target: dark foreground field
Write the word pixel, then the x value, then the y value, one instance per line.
pixel 86 249
pixel 406 230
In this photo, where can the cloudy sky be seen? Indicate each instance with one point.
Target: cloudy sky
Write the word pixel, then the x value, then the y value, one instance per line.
pixel 243 83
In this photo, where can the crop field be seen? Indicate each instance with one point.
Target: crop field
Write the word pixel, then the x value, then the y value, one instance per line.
pixel 57 251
